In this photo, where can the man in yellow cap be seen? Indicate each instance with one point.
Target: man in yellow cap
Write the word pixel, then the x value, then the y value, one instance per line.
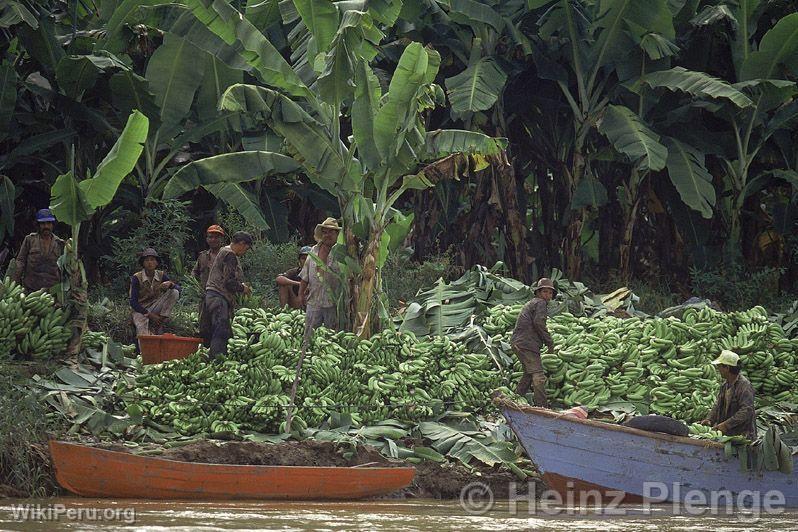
pixel 213 237
pixel 733 412
pixel 318 281
pixel 529 333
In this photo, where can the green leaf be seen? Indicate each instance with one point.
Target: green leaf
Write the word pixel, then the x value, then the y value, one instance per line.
pixel 399 228
pixel 120 161
pixel 114 40
pixel 235 167
pixel 439 309
pixel 443 142
pixel 174 72
pixel 8 96
pixel 690 177
pixel 41 44
pixel 778 48
pixel 310 143
pixel 13 12
pixel 8 194
pixel 746 13
pixel 477 87
pixel 67 201
pixel 475 14
pixel 35 143
pixel 590 192
pixel 241 200
pixel 364 109
pixel 630 136
pixel 76 73
pixel 321 18
pixel 698 84
pixel 218 78
pixel 249 43
pixel 465 447
pixel 385 11
pixel 658 47
pixel 130 92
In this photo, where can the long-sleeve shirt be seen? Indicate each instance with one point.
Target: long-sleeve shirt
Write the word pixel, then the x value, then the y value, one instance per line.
pixel 203 266
pixel 36 262
pixel 141 296
pixel 226 276
pixel 530 328
pixel 735 407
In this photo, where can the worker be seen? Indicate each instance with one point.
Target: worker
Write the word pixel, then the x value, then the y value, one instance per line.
pixel 529 333
pixel 289 282
pixel 37 260
pixel 318 282
pixel 225 280
pixel 733 413
pixel 214 237
pixel 152 295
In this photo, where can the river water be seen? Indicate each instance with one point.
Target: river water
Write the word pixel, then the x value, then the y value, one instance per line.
pixel 424 515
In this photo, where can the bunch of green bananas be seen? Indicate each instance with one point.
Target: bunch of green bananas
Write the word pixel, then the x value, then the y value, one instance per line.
pixel 30 325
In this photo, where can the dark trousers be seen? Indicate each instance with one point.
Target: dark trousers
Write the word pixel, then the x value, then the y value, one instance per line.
pixel 215 323
pixel 533 374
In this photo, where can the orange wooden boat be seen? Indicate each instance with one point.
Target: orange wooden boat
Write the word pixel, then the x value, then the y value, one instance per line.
pixel 93 472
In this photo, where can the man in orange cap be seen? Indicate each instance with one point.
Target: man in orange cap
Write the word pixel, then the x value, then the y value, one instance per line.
pixel 214 237
pixel 529 333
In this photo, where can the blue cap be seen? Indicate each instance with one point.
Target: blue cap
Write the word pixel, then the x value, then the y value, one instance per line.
pixel 44 215
pixel 305 250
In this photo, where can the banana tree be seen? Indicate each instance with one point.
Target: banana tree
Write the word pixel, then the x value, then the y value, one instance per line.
pixel 366 172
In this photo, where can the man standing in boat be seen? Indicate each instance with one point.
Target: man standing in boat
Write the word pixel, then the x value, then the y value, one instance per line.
pixel 225 280
pixel 529 333
pixel 733 413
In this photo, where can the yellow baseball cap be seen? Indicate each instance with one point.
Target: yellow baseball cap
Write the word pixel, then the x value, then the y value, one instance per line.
pixel 727 358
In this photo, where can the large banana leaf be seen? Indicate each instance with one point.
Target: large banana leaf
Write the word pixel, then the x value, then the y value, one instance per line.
pixel 120 161
pixel 439 309
pixel 321 19
pixel 630 136
pixel 465 447
pixel 690 177
pixel 76 73
pixel 35 143
pixel 698 84
pixel 590 192
pixel 174 73
pixel 228 168
pixel 114 38
pixel 241 200
pixel 475 14
pixel 68 202
pixel 8 96
pixel 8 195
pixel 443 142
pixel 477 87
pixel 235 30
pixel 41 44
pixel 364 109
pixel 324 158
pixel 218 78
pixel 778 48
pixel 130 91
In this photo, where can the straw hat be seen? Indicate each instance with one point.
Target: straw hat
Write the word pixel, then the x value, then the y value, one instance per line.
pixel 329 223
pixel 545 282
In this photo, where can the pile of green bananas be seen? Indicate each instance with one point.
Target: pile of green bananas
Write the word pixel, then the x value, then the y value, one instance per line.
pixel 30 325
pixel 390 375
pixel 662 364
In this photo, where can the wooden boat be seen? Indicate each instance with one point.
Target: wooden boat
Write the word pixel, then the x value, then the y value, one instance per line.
pixel 578 457
pixel 93 472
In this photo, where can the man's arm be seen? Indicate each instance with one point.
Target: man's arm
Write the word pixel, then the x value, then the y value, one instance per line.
pixel 233 282
pixel 134 296
pixel 746 411
pixel 195 271
pixel 22 260
pixel 171 284
pixel 712 418
pixel 539 320
pixel 282 280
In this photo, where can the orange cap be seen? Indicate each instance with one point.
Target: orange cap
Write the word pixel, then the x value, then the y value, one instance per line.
pixel 215 229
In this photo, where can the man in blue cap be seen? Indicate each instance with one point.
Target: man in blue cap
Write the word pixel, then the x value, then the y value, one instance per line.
pixel 36 262
pixel 288 282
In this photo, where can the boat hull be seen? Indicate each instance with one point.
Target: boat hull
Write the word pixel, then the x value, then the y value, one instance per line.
pixel 92 472
pixel 579 458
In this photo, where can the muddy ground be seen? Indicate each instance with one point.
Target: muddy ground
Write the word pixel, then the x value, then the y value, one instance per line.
pixel 433 480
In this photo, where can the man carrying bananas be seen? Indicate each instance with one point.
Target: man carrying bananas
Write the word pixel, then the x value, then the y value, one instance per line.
pixel 733 413
pixel 225 280
pixel 529 333
pixel 37 260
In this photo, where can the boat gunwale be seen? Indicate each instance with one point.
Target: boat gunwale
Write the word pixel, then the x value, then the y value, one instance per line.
pixel 670 438
pixel 90 448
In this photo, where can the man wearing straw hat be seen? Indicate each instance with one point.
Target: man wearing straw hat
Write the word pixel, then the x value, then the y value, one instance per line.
pixel 152 294
pixel 319 278
pixel 529 333
pixel 733 413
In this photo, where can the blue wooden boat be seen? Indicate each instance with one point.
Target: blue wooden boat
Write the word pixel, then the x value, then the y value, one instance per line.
pixel 578 457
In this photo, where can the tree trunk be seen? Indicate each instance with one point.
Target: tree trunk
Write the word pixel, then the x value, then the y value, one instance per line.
pixel 516 255
pixel 573 234
pixel 363 317
pixel 626 242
